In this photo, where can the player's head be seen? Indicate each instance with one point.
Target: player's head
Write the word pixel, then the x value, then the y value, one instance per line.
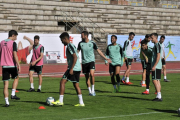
pixel 84 35
pixel 36 40
pixel 162 38
pixel 148 37
pixel 131 36
pixel 154 37
pixel 113 39
pixel 64 38
pixel 144 44
pixel 13 35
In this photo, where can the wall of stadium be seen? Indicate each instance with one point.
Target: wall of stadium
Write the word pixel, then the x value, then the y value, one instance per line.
pixel 172 46
pixel 54 50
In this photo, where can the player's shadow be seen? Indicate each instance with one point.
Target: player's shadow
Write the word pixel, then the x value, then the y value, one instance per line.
pixel 165 111
pixel 135 98
pixel 106 82
pixel 129 92
pixel 100 91
pixel 40 102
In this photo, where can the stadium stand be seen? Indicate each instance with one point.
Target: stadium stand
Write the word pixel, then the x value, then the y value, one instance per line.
pixel 53 16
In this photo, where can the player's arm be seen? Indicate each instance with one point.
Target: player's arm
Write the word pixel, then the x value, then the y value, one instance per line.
pixel 100 52
pixel 78 48
pixel 107 55
pixel 40 57
pixel 73 53
pixel 145 57
pixel 158 50
pixel 73 64
pixel 126 43
pixel 15 56
pixel 30 41
pixel 164 55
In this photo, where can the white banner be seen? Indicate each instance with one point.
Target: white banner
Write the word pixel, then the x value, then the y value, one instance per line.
pixel 54 50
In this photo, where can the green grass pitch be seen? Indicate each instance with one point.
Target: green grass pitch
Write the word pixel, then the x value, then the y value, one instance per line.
pixel 128 104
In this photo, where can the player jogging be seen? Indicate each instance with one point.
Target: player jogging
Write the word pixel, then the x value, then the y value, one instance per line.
pixel 115 53
pixel 10 64
pixel 128 56
pixel 87 48
pixel 73 72
pixel 156 65
pixel 163 57
pixel 36 63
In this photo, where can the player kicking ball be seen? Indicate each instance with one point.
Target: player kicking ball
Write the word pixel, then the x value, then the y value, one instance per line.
pixel 10 64
pixel 115 53
pixel 73 72
pixel 36 64
pixel 156 65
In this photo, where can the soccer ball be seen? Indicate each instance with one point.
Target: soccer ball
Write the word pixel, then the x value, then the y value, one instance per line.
pixel 49 100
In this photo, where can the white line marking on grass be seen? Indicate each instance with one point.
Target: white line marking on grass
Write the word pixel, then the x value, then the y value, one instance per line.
pixel 117 116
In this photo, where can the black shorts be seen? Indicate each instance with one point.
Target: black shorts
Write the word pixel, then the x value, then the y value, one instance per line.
pixel 128 61
pixel 163 62
pixel 72 78
pixel 87 67
pixel 156 75
pixel 144 64
pixel 112 69
pixel 6 72
pixel 37 69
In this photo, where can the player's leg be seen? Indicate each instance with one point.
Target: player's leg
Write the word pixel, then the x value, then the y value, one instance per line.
pixel 125 74
pixel 6 92
pixel 31 72
pixel 78 90
pixel 39 72
pixel 143 74
pixel 157 76
pixel 164 70
pixel 128 72
pixel 15 76
pixel 6 78
pixel 112 73
pixel 87 76
pixel 146 92
pixel 62 89
pixel 117 71
pixel 75 79
pixel 92 81
pixel 85 70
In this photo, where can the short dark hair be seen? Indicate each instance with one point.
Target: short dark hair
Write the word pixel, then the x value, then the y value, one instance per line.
pixel 155 34
pixel 131 33
pixel 12 32
pixel 36 37
pixel 114 36
pixel 162 36
pixel 144 42
pixel 63 35
pixel 85 33
pixel 147 36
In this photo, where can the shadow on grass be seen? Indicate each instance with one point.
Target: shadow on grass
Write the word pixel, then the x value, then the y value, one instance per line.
pixel 40 102
pixel 165 111
pixel 131 98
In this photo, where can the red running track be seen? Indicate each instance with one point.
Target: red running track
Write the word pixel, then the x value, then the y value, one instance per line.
pixel 101 69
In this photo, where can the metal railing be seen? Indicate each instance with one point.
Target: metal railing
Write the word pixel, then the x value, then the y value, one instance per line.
pixel 83 22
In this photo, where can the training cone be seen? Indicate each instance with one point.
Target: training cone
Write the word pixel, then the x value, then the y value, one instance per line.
pixel 42 107
pixel 17 91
